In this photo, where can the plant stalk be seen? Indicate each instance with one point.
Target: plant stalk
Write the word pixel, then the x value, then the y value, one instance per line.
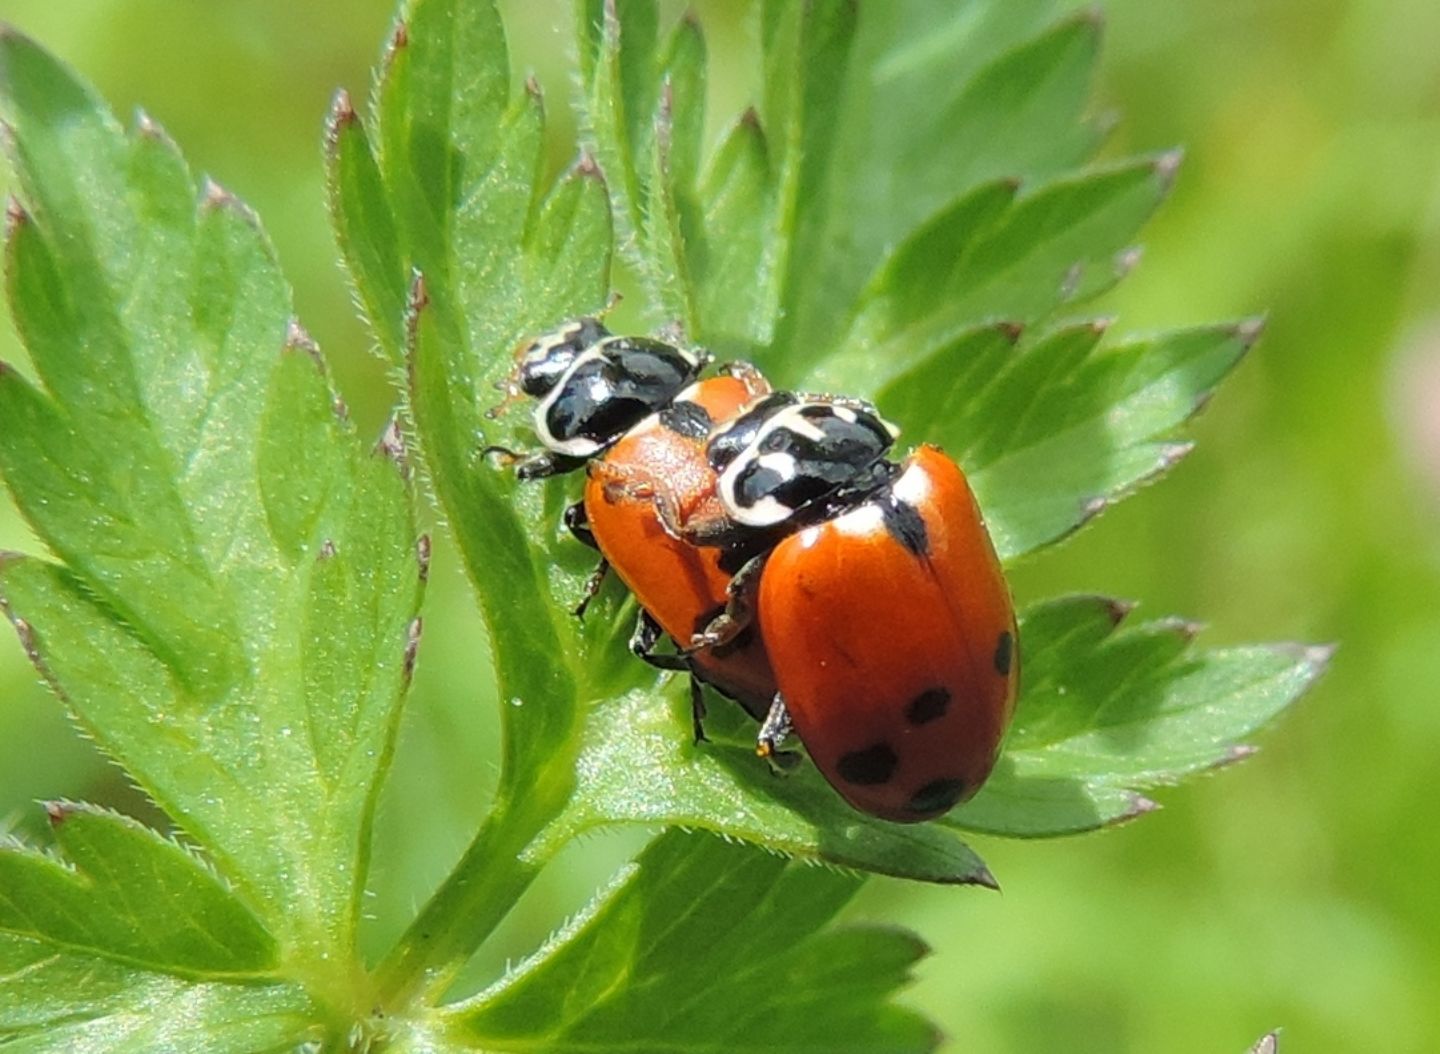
pixel 478 893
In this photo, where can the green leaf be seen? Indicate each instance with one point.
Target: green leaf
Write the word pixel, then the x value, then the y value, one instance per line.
pixel 185 921
pixel 1055 431
pixel 1105 712
pixel 58 1001
pixel 988 259
pixel 461 153
pixel 365 225
pixel 635 768
pixel 233 614
pixel 626 975
pixel 1003 99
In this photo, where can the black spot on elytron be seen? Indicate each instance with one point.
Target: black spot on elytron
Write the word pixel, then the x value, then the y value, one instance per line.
pixel 869 767
pixel 928 706
pixel 937 796
pixel 688 419
pixel 1004 653
pixel 903 522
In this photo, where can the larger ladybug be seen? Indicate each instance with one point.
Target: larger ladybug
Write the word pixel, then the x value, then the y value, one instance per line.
pixel 889 624
pixel 632 412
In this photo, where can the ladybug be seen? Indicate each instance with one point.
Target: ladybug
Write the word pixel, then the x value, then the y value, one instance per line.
pixel 631 410
pixel 887 619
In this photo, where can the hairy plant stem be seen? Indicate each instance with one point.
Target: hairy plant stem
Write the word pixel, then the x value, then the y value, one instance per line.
pixel 477 894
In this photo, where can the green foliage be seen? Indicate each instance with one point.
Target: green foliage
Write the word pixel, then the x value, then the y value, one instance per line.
pixel 238 637
pixel 1108 710
pixel 231 611
pixel 624 976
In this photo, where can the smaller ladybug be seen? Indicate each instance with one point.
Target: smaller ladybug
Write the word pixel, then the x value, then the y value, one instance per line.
pixel 632 412
pixel 887 619
pixel 592 388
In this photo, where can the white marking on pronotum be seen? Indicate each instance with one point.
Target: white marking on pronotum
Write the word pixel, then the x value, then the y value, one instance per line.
pixel 584 446
pixel 580 446
pixel 768 511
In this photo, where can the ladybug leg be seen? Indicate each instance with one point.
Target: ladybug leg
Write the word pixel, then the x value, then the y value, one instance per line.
pixel 626 482
pixel 746 372
pixel 642 643
pixel 697 708
pixel 592 587
pixel 578 524
pixel 774 731
pixel 739 608
pixel 532 466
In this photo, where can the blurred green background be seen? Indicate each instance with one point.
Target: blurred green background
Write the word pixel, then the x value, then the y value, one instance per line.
pixel 1301 889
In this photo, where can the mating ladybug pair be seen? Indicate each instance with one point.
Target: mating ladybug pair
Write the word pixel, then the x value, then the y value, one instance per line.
pixel 830 591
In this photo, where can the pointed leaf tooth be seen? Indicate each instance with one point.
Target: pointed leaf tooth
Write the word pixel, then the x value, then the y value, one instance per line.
pixel 1167 165
pixel 1126 260
pixel 422 557
pixel 1268 1044
pixel 412 647
pixel 342 115
pixel 1251 330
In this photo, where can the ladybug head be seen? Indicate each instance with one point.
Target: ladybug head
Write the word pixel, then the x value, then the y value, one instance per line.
pixel 547 359
pixel 608 389
pixel 804 452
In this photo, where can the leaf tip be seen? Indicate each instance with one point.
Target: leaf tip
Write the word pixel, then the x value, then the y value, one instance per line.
pixel 422 557
pixel 1171 454
pixel 1089 509
pixel 1269 1044
pixel 391 446
pixel 1091 17
pixel 152 132
pixel 1138 806
pixel 1235 753
pixel 57 812
pixel 1011 331
pixel 1186 629
pixel 298 339
pixel 751 118
pixel 400 36
pixel 327 551
pixel 1118 610
pixel 412 647
pixel 1166 165
pixel 1315 658
pixel 342 116
pixel 1250 330
pixel 213 195
pixel 586 167
pixel 1126 260
pixel 419 295
pixel 15 216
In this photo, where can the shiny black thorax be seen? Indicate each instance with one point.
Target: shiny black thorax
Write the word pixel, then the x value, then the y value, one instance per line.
pixel 610 388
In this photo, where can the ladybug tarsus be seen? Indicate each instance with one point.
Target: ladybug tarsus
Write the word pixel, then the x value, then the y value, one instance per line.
pixel 577 522
pixel 642 644
pixel 775 730
pixel 592 588
pixel 697 709
pixel 543 466
pixel 739 608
